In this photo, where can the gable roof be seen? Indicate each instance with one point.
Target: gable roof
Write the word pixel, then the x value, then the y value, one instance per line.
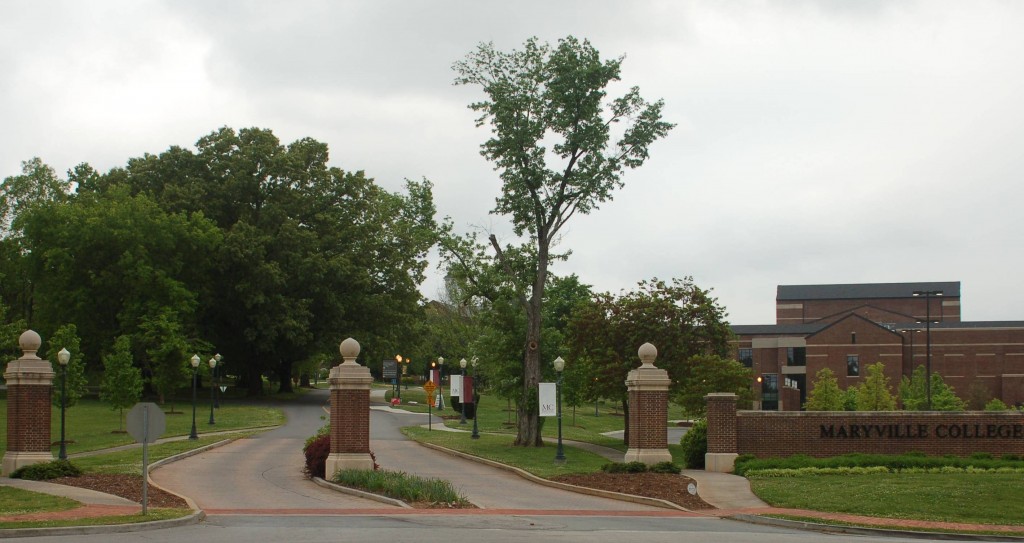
pixel 863 290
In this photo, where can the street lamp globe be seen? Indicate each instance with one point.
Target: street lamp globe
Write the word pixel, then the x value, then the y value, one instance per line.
pixel 195 361
pixel 559 364
pixel 63 357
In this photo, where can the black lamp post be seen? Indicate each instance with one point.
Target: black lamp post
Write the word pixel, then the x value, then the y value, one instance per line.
pixel 195 368
pixel 462 390
pixel 440 382
pixel 398 381
pixel 928 338
pixel 559 366
pixel 63 357
pixel 216 397
pixel 476 408
pixel 213 370
pixel 405 371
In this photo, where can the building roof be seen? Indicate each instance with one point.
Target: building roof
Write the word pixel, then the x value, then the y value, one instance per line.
pixel 863 290
pixel 813 328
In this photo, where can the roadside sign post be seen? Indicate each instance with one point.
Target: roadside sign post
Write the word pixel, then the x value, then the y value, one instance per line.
pixel 429 389
pixel 146 423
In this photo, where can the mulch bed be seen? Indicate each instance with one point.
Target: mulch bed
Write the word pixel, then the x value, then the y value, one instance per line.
pixel 126 486
pixel 665 486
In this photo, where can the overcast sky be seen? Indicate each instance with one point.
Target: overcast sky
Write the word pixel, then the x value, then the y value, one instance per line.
pixel 816 142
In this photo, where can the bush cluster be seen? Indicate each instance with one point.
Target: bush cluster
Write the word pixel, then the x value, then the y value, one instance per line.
pixel 640 467
pixel 47 470
pixel 872 470
pixel 401 486
pixel 893 463
pixel 695 444
pixel 317 449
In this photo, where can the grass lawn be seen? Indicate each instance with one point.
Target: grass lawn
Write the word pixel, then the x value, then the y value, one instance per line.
pixel 92 425
pixel 539 461
pixel 15 501
pixel 980 498
pixel 154 514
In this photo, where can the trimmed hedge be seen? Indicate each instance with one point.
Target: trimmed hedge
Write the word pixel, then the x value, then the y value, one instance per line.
pixel 894 463
pixel 47 470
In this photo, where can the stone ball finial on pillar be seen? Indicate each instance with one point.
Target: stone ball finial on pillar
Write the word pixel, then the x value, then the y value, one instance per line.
pixel 349 351
pixel 647 387
pixel 30 343
pixel 29 381
pixel 647 353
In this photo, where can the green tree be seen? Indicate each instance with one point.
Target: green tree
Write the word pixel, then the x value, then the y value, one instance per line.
pixel 66 337
pixel 874 393
pixel 682 320
pixel 850 398
pixel 713 373
pixel 537 97
pixel 826 395
pixel 914 394
pixel 122 381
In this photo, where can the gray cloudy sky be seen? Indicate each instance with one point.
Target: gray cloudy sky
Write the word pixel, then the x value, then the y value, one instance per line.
pixel 817 142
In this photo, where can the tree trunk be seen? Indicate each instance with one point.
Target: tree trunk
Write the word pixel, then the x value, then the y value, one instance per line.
pixel 528 424
pixel 254 383
pixel 304 381
pixel 284 371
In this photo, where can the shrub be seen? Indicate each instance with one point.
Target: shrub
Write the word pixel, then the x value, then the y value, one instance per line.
pixel 1011 457
pixel 317 450
pixel 401 486
pixel 695 444
pixel 981 456
pixel 627 467
pixel 47 470
pixel 664 467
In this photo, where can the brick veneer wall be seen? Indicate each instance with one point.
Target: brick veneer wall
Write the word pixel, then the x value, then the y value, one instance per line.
pixel 823 434
pixel 350 421
pixel 721 423
pixel 28 406
pixel 648 414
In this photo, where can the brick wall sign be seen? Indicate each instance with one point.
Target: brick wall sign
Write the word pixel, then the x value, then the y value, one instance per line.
pixel 824 433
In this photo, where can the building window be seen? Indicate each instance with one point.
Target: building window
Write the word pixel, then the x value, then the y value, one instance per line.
pixel 770 392
pixel 853 338
pixel 746 357
pixel 796 356
pixel 852 365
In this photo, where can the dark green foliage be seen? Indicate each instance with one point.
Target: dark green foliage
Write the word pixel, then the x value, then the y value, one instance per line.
pixel 664 467
pixel 402 486
pixel 1011 457
pixel 47 470
pixel 893 462
pixel 695 444
pixel 316 451
pixel 624 467
pixel 981 456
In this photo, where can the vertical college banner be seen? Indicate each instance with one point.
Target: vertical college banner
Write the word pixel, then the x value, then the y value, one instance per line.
pixel 455 386
pixel 547 400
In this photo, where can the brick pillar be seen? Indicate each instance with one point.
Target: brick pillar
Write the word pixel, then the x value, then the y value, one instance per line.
pixel 29 380
pixel 350 412
pixel 721 432
pixel 648 410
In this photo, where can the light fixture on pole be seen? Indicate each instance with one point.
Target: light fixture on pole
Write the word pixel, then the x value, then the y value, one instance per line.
pixel 195 369
pixel 216 397
pixel 440 382
pixel 559 366
pixel 928 338
pixel 63 357
pixel 476 408
pixel 405 371
pixel 213 369
pixel 462 390
pixel 397 389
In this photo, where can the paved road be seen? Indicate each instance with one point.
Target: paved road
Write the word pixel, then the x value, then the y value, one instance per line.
pixel 264 473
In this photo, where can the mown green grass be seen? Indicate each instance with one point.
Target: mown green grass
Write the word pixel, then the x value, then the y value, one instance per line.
pixel 977 498
pixel 154 514
pixel 91 425
pixel 130 461
pixel 539 461
pixel 16 501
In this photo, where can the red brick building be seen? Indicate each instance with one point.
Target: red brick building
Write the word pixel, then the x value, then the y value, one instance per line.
pixel 847 327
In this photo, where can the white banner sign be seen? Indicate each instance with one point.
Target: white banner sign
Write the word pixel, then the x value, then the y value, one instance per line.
pixel 455 385
pixel 547 400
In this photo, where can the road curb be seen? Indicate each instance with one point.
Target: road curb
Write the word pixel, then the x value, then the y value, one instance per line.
pixel 641 500
pixel 860 530
pixel 194 518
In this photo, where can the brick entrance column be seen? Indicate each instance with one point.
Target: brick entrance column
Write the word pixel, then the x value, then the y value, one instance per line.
pixel 29 379
pixel 350 413
pixel 722 430
pixel 648 410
